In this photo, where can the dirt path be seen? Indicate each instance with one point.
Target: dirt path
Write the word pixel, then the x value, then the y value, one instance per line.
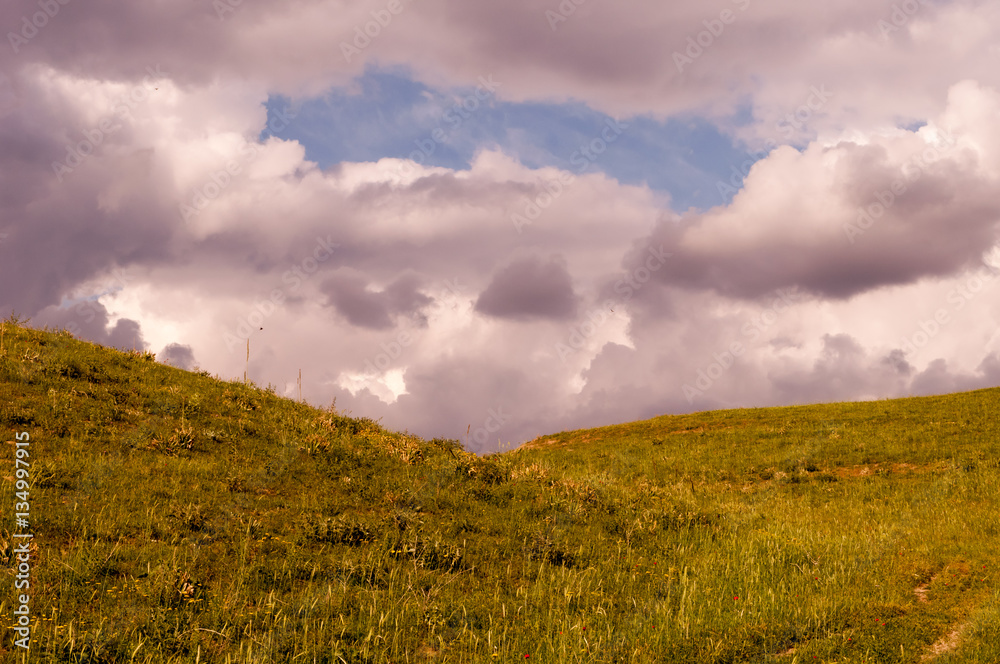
pixel 946 643
pixel 949 641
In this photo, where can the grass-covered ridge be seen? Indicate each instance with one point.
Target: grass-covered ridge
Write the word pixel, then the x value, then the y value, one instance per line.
pixel 182 518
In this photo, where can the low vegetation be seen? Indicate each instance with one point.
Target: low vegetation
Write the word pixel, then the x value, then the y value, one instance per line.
pixel 182 518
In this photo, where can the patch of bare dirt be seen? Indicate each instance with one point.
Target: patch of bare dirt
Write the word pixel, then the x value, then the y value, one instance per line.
pixel 953 638
pixel 852 472
pixel 946 643
pixel 701 428
pixel 543 441
pixel 427 652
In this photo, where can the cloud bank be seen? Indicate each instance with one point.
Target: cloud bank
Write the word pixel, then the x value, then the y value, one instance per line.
pixel 150 200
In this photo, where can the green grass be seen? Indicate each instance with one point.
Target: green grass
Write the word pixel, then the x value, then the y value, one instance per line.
pixel 182 518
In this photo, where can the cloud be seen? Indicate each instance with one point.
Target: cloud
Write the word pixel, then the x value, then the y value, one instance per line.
pixel 89 320
pixel 938 379
pixel 412 243
pixel 217 228
pixel 82 224
pixel 843 370
pixel 530 289
pixel 377 310
pixel 847 218
pixel 178 355
pixel 620 58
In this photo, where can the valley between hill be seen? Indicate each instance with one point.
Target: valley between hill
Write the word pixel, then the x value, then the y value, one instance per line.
pixel 176 517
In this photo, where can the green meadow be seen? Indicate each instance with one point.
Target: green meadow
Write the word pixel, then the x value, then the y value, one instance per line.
pixel 179 517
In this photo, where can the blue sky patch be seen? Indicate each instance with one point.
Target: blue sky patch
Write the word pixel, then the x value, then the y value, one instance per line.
pixel 388 114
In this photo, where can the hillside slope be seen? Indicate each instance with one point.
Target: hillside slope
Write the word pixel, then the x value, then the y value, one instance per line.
pixel 177 517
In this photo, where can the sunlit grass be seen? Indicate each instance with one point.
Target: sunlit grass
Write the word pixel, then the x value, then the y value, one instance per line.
pixel 182 518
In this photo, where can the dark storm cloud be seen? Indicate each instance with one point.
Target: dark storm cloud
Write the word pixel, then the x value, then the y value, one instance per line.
pixel 377 310
pixel 178 355
pixel 938 379
pixel 88 320
pixel 530 289
pixel 106 38
pixel 69 227
pixel 621 57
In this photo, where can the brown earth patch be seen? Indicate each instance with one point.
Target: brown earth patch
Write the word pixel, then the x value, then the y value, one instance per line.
pixel 701 428
pixel 946 643
pixel 951 640
pixel 540 442
pixel 852 472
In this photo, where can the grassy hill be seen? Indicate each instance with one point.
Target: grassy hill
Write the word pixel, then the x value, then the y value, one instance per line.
pixel 180 518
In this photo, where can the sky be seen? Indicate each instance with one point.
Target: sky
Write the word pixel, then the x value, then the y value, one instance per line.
pixel 495 221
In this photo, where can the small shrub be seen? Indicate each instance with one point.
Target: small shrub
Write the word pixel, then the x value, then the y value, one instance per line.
pixel 683 517
pixel 436 555
pixel 340 530
pixel 190 516
pixel 487 469
pixel 542 546
pixel 185 591
pixel 72 369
